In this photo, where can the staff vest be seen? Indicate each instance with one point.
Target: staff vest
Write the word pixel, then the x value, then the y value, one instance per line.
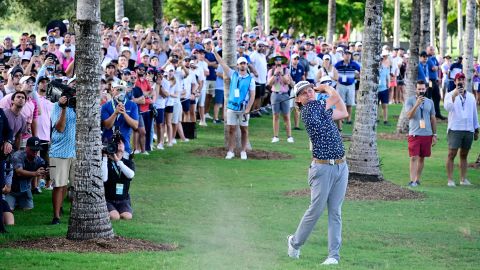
pixel 238 103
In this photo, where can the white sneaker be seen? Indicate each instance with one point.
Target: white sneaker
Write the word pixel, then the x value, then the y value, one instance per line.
pixel 292 252
pixel 185 140
pixel 243 155
pixel 137 152
pixel 465 182
pixel 451 183
pixel 154 136
pixel 275 139
pixel 170 145
pixel 146 153
pixel 330 261
pixel 207 116
pixel 174 141
pixel 202 123
pixel 230 155
pixel 160 146
pixel 290 140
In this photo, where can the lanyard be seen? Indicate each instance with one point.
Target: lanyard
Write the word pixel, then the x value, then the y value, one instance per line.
pixel 463 100
pixel 421 110
pixel 117 170
pixel 113 106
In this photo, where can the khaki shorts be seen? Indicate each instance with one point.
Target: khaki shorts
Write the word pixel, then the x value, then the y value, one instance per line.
pixel 63 171
pixel 235 118
pixel 211 87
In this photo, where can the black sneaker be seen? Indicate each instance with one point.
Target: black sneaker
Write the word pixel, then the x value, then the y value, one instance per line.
pixel 217 121
pixel 386 123
pixel 297 128
pixel 55 221
pixel 348 122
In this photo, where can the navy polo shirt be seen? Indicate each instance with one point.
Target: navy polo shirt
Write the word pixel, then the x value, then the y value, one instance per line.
pixel 431 63
pixel 297 73
pixel 212 76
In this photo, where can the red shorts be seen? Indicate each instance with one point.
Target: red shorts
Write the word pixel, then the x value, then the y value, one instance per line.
pixel 393 82
pixel 420 146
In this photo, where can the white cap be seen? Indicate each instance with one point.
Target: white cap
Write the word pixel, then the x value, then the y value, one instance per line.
pixel 124 49
pixel 242 60
pixel 339 49
pixel 144 54
pixel 327 56
pixel 25 78
pixel 261 42
pixel 170 67
pixel 298 88
pixel 385 53
pixel 8 37
pixel 125 19
pixel 385 48
pixel 358 43
pixel 66 21
pixel 74 78
pixel 118 85
pixel 325 78
pixel 295 55
pixel 192 62
pixel 207 40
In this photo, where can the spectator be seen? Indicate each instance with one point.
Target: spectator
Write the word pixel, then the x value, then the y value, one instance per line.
pixel 462 127
pixel 348 71
pixel 455 68
pixel 241 96
pixel 62 153
pixel 117 173
pixel 211 77
pixel 27 165
pixel 259 62
pixel 297 73
pixel 383 83
pixel 422 134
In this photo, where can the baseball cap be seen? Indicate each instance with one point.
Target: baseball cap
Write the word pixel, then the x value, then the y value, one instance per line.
pixel 385 53
pixel 207 40
pixel 241 60
pixel 260 42
pixel 459 75
pixel 73 79
pixel 66 21
pixel 358 44
pixel 118 85
pixel 447 56
pixel 125 19
pixel 126 71
pixel 299 87
pixel 295 56
pixel 8 37
pixel 326 80
pixel 326 56
pixel 34 143
pixel 423 54
pixel 51 40
pixel 144 54
pixel 24 79
pixel 42 78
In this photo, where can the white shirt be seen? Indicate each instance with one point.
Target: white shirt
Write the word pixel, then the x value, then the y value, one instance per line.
pixel 259 62
pixel 172 89
pixel 461 117
pixel 187 84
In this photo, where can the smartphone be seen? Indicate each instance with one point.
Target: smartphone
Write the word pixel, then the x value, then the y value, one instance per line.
pixel 15 53
pixel 36 52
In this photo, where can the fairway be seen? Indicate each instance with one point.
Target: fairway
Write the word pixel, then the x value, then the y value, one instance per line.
pixel 234 214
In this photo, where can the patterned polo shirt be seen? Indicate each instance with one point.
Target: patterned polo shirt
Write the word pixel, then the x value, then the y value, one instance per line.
pixel 63 143
pixel 326 140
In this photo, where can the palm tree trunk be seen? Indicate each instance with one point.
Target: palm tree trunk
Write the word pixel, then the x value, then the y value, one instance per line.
pixel 443 27
pixel 362 154
pixel 460 26
pixel 157 6
pixel 424 24
pixel 248 23
pixel 208 14
pixel 203 14
pixel 396 24
pixel 332 13
pixel 469 43
pixel 260 14
pixel 89 215
pixel 266 24
pixel 432 22
pixel 240 13
pixel 412 66
pixel 119 10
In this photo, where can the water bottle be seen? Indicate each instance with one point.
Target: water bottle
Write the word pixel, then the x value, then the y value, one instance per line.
pixel 42 183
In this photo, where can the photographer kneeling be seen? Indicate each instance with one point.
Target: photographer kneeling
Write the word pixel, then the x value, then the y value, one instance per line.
pixel 117 172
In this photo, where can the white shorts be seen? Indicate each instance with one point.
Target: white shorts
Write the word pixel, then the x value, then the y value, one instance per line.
pixel 177 113
pixel 347 93
pixel 235 118
pixel 201 98
pixel 211 87
pixel 62 171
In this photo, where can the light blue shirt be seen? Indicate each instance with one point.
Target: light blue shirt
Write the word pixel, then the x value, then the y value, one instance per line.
pixel 63 143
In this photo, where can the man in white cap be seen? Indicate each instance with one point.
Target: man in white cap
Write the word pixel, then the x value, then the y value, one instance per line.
pixel 240 97
pixel 259 62
pixel 328 174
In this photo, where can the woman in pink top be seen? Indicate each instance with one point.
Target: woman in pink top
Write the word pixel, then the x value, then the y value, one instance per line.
pixel 67 59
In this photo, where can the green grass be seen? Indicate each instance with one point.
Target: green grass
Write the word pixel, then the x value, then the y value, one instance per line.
pixel 233 214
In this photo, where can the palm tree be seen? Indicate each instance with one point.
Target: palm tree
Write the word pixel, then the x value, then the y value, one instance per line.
pixel 260 14
pixel 119 10
pixel 240 13
pixel 443 27
pixel 248 23
pixel 267 17
pixel 460 26
pixel 396 24
pixel 89 215
pixel 424 24
pixel 332 13
pixel 412 66
pixel 432 22
pixel 157 6
pixel 362 154
pixel 469 43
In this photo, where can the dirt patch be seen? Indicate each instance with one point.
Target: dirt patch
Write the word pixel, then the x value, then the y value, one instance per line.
pixel 220 152
pixel 392 136
pixel 370 191
pixel 115 245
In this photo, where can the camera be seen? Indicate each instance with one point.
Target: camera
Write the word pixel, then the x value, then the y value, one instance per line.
pixel 111 146
pixel 57 89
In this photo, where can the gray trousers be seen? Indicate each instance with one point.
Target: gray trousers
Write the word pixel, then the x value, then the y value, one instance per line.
pixel 328 184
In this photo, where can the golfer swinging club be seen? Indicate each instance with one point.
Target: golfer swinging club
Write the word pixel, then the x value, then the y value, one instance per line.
pixel 328 173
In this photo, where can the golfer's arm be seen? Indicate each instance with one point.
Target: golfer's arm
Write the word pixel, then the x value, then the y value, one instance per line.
pixel 226 68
